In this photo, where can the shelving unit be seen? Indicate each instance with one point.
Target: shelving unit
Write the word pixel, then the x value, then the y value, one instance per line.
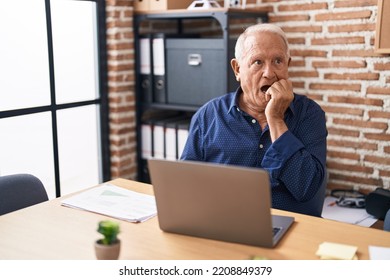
pixel 180 20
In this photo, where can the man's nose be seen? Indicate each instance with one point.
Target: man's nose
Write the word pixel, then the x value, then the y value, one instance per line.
pixel 268 71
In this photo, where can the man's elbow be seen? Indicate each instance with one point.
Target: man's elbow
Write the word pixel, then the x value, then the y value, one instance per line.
pixel 313 190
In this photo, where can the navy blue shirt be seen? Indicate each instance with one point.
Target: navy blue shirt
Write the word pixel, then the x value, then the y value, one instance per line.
pixel 222 133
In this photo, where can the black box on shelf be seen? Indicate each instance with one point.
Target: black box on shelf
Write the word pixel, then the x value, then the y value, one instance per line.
pixel 196 70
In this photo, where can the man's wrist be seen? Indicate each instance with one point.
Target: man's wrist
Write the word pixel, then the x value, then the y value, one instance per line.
pixel 277 128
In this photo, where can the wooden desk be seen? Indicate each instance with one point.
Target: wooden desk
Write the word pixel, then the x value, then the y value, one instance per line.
pixel 51 231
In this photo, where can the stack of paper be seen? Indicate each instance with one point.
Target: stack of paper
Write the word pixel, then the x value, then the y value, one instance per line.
pixel 355 216
pixel 115 202
pixel 335 251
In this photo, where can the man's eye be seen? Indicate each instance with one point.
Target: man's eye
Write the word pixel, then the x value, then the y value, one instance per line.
pixel 278 61
pixel 258 62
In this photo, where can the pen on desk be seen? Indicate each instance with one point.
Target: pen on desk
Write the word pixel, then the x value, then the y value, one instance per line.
pixel 332 203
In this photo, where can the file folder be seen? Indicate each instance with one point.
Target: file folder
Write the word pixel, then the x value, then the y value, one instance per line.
pixel 165 144
pixel 164 136
pixel 170 140
pixel 159 139
pixel 182 135
pixel 147 139
pixel 148 133
pixel 146 81
pixel 174 131
pixel 158 58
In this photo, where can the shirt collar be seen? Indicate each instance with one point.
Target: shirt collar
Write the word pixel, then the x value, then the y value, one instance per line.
pixel 234 102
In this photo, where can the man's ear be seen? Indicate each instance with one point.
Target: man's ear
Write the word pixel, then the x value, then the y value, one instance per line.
pixel 236 68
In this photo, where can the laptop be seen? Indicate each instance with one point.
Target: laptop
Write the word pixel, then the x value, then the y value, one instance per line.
pixel 215 201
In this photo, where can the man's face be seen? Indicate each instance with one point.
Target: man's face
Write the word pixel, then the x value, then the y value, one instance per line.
pixel 264 61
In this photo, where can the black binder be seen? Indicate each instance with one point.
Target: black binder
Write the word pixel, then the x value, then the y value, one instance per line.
pixel 145 78
pixel 159 70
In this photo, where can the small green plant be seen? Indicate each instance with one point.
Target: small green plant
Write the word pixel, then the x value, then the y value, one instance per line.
pixel 110 230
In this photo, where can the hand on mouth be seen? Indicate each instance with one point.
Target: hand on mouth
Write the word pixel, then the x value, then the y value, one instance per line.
pixel 265 88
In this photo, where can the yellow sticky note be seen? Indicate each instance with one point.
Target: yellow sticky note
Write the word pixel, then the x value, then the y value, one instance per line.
pixel 331 258
pixel 329 250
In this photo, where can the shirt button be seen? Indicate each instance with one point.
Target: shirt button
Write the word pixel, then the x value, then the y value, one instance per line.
pixel 261 146
pixel 253 121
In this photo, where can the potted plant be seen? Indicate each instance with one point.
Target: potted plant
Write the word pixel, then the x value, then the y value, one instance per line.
pixel 108 247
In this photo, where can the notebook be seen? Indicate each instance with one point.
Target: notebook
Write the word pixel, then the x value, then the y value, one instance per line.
pixel 215 201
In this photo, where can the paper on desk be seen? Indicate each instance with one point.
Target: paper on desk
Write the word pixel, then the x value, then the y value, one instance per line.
pixel 379 253
pixel 336 251
pixel 355 216
pixel 116 202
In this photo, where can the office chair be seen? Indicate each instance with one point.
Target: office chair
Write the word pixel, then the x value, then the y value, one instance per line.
pixel 18 191
pixel 386 224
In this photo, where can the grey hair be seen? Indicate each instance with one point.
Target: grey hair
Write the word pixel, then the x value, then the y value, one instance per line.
pixel 257 28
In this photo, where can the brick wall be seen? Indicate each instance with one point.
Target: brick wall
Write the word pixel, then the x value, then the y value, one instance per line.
pixel 121 84
pixel 334 63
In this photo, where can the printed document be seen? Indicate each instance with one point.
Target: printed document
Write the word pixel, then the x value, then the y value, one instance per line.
pixel 355 216
pixel 116 202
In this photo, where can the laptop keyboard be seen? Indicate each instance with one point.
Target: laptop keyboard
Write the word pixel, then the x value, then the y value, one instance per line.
pixel 275 230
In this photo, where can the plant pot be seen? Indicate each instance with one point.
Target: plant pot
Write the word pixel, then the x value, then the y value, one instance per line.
pixel 107 252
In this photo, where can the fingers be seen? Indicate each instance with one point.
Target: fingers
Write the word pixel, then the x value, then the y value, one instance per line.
pixel 280 95
pixel 281 90
pixel 267 96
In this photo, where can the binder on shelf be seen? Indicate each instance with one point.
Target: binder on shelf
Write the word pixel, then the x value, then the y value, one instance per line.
pixel 170 140
pixel 174 138
pixel 164 137
pixel 146 79
pixel 158 58
pixel 182 135
pixel 159 139
pixel 147 139
pixel 148 122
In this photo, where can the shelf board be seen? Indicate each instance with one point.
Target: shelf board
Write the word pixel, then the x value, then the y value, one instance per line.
pixel 199 13
pixel 177 107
